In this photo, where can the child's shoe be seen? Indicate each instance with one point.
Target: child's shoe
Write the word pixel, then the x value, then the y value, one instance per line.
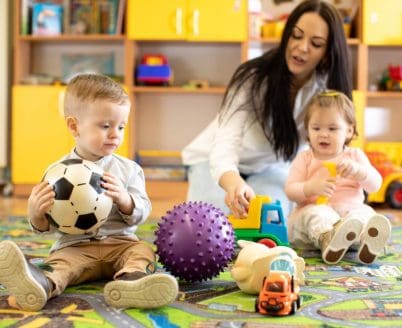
pixel 336 242
pixel 374 238
pixel 141 290
pixel 26 283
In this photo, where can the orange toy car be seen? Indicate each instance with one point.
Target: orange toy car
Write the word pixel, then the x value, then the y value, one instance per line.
pixel 279 294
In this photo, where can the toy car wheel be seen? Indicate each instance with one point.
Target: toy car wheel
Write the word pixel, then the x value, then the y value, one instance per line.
pixel 268 242
pixel 294 308
pixel 257 301
pixel 394 195
pixel 298 302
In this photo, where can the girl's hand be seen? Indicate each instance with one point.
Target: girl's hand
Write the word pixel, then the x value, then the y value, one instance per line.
pixel 116 190
pixel 351 170
pixel 238 199
pixel 318 186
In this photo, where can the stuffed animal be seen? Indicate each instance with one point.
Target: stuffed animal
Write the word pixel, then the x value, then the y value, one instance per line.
pixel 255 260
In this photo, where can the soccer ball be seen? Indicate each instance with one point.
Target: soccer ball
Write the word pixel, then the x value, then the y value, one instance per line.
pixel 80 204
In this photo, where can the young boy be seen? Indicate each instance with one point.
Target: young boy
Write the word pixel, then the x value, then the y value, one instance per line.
pixel 96 111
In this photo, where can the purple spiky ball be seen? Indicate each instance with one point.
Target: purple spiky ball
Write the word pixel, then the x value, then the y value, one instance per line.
pixel 195 241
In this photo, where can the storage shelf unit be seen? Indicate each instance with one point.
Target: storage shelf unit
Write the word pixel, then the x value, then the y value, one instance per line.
pixel 212 56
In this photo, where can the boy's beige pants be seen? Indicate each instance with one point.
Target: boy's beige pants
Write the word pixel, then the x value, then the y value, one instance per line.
pixel 96 260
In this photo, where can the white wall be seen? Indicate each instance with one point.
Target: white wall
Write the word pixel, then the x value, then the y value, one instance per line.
pixel 4 48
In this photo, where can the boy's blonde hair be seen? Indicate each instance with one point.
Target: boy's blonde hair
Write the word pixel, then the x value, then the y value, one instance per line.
pixel 87 88
pixel 335 99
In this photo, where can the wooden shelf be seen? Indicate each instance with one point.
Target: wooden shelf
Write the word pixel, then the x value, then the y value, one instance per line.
pixel 351 41
pixel 72 37
pixel 178 89
pixel 385 94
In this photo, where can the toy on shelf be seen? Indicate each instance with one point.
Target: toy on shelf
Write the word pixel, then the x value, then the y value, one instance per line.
pixel 154 70
pixel 389 166
pixel 80 204
pixel 279 295
pixel 195 241
pixel 265 223
pixel 331 166
pixel 255 261
pixel 392 79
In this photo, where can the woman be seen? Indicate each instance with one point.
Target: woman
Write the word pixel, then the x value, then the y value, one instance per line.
pixel 247 148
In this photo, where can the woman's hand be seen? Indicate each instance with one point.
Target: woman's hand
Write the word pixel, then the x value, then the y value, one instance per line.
pixel 116 190
pixel 238 193
pixel 238 199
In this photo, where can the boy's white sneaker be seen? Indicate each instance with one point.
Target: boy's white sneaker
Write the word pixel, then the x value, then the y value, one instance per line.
pixel 140 290
pixel 373 238
pixel 24 281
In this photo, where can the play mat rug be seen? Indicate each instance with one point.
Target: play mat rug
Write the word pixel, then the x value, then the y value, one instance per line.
pixel 345 295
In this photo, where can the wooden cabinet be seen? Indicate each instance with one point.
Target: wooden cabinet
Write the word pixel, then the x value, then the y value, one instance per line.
pixel 382 22
pixel 195 20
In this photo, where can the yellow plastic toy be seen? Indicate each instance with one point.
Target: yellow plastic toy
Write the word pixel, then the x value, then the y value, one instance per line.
pixel 331 166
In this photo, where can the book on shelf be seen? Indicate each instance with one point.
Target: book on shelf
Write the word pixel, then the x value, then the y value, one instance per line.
pixel 96 16
pixel 74 16
pixel 47 19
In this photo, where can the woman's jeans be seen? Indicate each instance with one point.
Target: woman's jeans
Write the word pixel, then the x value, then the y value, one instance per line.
pixel 270 182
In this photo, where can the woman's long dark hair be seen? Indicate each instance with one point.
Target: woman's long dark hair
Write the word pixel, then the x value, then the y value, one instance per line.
pixel 276 114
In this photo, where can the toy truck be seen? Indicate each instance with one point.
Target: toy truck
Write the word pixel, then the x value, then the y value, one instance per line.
pixel 280 294
pixel 265 223
pixel 390 169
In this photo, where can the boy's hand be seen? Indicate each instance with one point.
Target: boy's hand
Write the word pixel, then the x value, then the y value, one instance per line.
pixel 39 202
pixel 351 170
pixel 116 190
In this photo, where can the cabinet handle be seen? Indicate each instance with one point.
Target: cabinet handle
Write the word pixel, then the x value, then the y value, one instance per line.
pixel 196 22
pixel 179 21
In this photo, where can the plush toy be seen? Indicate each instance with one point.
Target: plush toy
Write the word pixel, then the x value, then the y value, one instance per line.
pixel 255 261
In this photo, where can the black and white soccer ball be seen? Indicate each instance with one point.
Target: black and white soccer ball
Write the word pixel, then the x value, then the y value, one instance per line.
pixel 80 205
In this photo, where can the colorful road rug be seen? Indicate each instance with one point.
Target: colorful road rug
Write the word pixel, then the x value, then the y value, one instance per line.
pixel 345 295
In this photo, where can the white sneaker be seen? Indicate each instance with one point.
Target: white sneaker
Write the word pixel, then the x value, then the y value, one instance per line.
pixel 147 292
pixel 374 238
pixel 344 234
pixel 24 281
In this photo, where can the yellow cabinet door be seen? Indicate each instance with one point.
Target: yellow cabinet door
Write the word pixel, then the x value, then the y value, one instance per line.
pixel 156 19
pixel 39 133
pixel 211 20
pixel 382 22
pixel 195 20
